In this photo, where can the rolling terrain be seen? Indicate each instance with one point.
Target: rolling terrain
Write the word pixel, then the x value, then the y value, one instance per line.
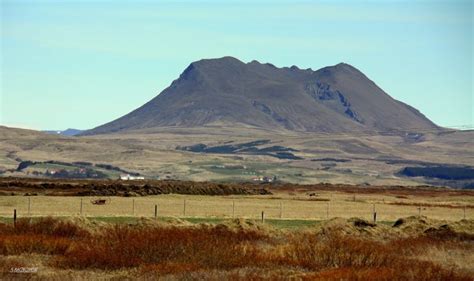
pixel 225 120
pixel 332 158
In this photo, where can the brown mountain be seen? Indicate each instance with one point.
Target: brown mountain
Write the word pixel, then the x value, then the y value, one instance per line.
pixel 229 92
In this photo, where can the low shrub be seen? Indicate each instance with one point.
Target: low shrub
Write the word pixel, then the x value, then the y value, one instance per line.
pixel 45 226
pixel 124 246
pixel 335 250
pixel 33 243
pixel 218 252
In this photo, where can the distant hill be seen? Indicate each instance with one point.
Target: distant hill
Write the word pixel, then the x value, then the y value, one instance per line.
pixel 68 132
pixel 228 92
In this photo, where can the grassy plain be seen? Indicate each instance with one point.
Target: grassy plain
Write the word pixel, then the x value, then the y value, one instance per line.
pixel 154 154
pixel 281 205
pixel 319 232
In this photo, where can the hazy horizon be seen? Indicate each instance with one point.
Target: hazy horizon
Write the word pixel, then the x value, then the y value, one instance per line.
pixel 82 64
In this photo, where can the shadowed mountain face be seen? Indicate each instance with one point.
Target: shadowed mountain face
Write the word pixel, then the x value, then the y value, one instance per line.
pixel 229 92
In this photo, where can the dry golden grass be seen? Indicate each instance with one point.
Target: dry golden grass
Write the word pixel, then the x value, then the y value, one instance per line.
pixel 286 205
pixel 236 251
pixel 452 257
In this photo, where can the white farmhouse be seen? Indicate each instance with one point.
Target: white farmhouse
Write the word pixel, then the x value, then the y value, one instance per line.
pixel 127 177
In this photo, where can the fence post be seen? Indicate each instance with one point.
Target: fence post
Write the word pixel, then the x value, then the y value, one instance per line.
pixel 14 217
pixel 133 207
pixel 184 207
pixel 29 206
pixel 233 208
pixel 263 217
pixel 375 214
pixel 281 210
pixel 327 210
pixel 156 211
pixel 419 211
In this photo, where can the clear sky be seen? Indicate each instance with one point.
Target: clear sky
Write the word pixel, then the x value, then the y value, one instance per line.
pixel 80 64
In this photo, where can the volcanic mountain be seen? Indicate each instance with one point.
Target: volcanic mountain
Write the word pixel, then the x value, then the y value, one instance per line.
pixel 228 92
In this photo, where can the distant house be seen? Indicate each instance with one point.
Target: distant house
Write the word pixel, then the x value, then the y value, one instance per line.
pixel 127 177
pixel 265 179
pixel 51 172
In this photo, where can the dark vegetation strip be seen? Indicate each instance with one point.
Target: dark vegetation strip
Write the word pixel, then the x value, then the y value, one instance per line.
pixel 450 206
pixel 78 165
pixel 125 188
pixel 77 187
pixel 276 151
pixel 439 172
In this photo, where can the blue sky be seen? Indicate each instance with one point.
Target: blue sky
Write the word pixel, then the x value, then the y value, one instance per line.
pixel 83 63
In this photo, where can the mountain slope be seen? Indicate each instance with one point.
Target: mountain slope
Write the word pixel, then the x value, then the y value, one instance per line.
pixel 227 91
pixel 67 132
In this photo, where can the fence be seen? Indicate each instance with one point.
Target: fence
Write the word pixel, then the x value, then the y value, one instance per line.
pixel 221 207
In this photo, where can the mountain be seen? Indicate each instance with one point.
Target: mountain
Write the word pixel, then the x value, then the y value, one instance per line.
pixel 228 92
pixel 67 132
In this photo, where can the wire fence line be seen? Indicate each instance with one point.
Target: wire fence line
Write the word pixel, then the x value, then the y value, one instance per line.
pixel 221 208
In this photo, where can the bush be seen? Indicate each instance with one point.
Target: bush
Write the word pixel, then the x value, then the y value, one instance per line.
pixel 33 243
pixel 41 236
pixel 124 246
